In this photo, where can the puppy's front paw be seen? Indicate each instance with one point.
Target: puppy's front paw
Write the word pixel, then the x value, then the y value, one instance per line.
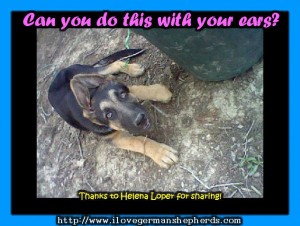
pixel 162 93
pixel 135 70
pixel 165 156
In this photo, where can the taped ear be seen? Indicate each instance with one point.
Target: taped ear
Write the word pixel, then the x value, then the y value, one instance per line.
pixel 80 85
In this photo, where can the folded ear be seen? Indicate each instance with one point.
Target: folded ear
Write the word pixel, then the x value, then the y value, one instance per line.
pixel 80 85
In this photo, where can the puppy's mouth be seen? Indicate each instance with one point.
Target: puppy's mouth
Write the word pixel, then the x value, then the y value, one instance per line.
pixel 147 124
pixel 142 121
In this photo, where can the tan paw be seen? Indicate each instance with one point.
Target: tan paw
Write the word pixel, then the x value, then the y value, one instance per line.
pixel 135 70
pixel 165 156
pixel 162 93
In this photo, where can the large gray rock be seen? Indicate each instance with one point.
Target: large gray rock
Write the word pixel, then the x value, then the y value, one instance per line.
pixel 210 54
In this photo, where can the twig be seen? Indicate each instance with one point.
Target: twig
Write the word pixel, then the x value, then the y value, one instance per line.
pixel 144 143
pixel 59 47
pixel 179 91
pixel 80 149
pixel 209 160
pixel 47 114
pixel 224 185
pixel 249 130
pixel 67 156
pixel 89 53
pixel 246 139
pixel 148 78
pixel 195 176
pixel 160 111
pixel 209 187
pixel 90 186
pixel 256 190
pixel 45 67
pixel 246 179
pixel 245 149
pixel 46 74
pixel 59 151
pixel 178 100
pixel 225 128
pixel 124 180
pixel 239 190
pixel 233 193
pixel 43 116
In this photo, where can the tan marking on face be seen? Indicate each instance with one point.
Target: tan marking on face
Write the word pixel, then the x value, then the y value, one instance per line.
pixel 105 104
pixel 112 95
pixel 113 102
pixel 116 126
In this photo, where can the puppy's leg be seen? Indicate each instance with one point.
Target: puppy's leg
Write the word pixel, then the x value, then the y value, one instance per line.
pixel 162 154
pixel 156 92
pixel 132 70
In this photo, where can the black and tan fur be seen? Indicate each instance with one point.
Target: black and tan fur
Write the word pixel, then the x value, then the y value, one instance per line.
pixel 87 98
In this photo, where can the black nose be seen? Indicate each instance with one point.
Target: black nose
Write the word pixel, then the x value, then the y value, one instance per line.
pixel 139 119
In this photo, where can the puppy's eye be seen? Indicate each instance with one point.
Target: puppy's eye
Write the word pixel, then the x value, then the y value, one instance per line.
pixel 108 115
pixel 123 95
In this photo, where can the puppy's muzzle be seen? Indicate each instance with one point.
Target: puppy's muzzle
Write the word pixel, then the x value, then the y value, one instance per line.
pixel 142 121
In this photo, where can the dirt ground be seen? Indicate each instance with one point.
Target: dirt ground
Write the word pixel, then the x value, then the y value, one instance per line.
pixel 217 127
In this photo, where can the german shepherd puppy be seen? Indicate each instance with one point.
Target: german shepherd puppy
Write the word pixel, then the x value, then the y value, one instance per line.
pixel 87 98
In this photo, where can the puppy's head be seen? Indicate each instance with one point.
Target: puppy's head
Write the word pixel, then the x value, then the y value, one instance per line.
pixel 109 103
pixel 116 107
